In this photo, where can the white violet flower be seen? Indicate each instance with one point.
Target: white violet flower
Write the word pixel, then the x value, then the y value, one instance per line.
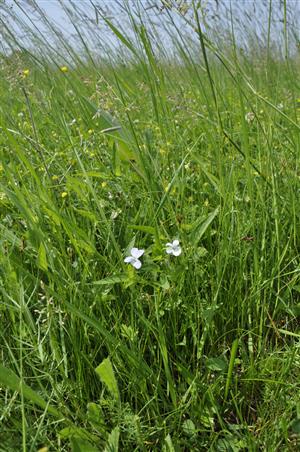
pixel 134 258
pixel 173 248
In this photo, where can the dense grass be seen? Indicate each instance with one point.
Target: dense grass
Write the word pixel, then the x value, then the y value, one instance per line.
pixel 189 353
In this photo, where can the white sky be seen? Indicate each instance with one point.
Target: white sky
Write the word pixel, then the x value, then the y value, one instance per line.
pixel 254 13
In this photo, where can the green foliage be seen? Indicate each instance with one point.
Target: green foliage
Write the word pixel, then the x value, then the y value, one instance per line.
pixel 107 376
pixel 196 351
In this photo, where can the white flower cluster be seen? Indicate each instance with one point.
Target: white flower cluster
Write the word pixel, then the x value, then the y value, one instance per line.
pixel 249 117
pixel 173 248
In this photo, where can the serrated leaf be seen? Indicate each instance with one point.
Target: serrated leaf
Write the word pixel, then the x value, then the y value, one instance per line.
pixel 107 376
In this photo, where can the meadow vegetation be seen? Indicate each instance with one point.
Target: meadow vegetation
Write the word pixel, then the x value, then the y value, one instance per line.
pixel 166 134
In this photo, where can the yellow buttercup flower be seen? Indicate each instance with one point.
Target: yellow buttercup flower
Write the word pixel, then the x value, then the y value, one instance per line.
pixel 64 194
pixel 64 69
pixel 26 72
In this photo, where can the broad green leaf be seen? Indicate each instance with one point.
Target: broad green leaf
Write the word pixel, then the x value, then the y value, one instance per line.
pixel 189 428
pixel 217 364
pixel 107 376
pixel 115 159
pixel 80 445
pixel 42 257
pixel 233 353
pixel 168 446
pixel 112 444
pixel 76 433
pixel 95 415
pixel 296 426
pixel 200 227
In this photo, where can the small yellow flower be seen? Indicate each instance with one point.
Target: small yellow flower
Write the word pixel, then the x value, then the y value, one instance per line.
pixel 90 131
pixel 64 194
pixel 54 177
pixel 25 72
pixel 104 184
pixel 206 203
pixel 64 69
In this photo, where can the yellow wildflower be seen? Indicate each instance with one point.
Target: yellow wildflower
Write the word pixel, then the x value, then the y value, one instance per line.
pixel 64 194
pixel 64 69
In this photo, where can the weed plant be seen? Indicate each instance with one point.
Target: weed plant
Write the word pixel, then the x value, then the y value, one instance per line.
pixel 169 135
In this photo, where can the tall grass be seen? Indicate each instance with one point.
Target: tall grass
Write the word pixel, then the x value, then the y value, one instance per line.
pixel 167 128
